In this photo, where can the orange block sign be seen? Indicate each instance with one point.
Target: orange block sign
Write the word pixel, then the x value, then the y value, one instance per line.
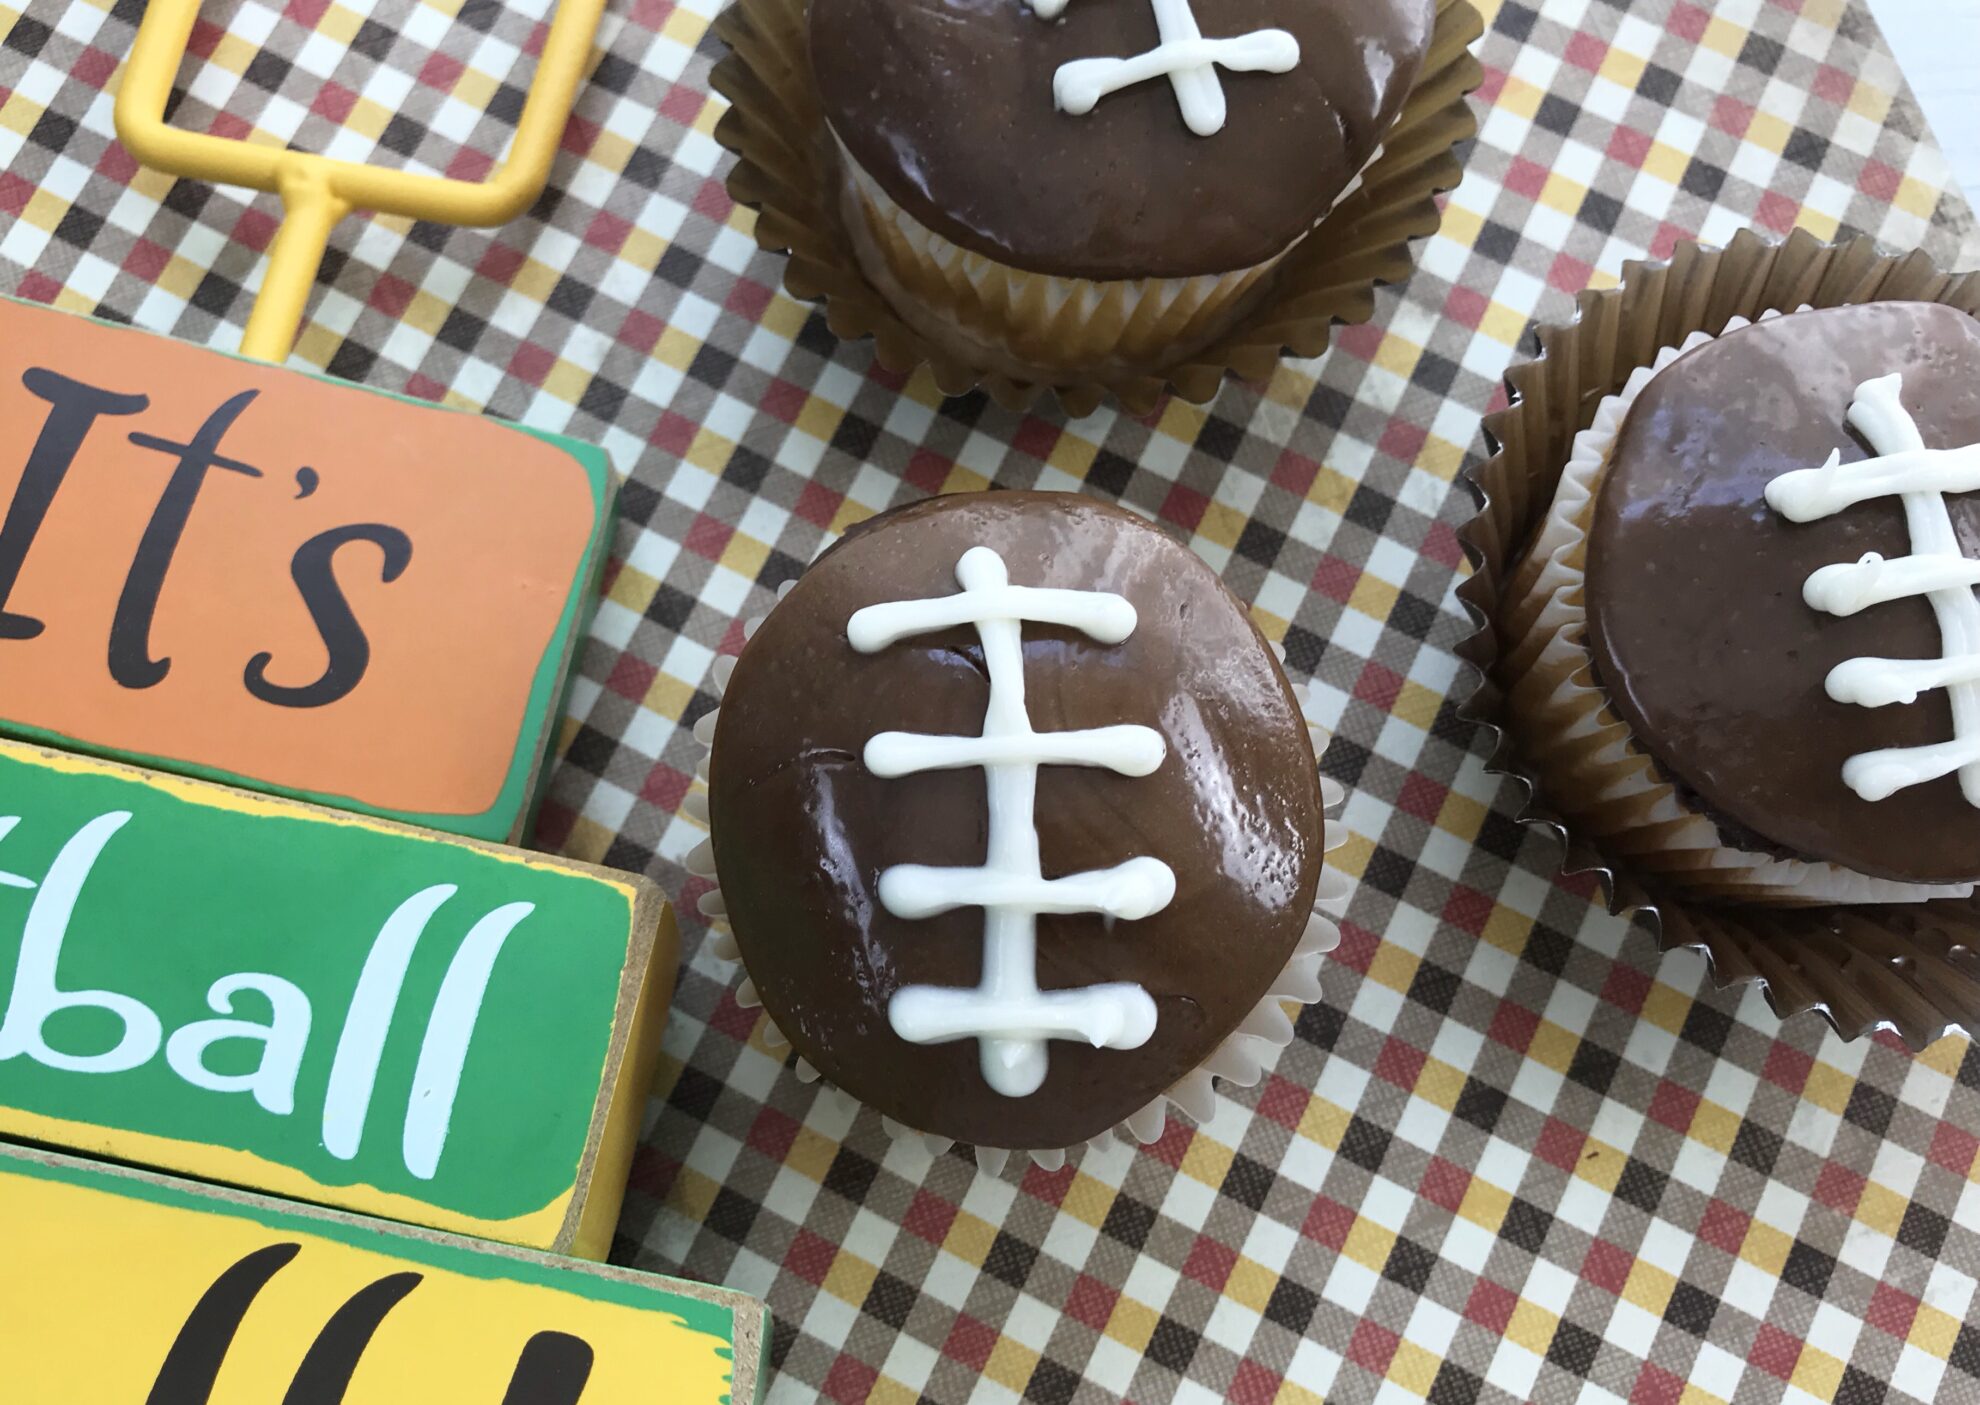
pixel 283 581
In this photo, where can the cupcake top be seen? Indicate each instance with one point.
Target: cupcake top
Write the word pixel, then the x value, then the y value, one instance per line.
pixel 1777 702
pixel 1138 879
pixel 950 106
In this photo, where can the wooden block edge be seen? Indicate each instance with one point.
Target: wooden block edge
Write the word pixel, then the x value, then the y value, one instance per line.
pixel 630 1064
pixel 590 589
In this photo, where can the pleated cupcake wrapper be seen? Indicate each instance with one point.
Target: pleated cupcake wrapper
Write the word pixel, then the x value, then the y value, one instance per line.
pixel 1023 323
pixel 788 170
pixel 1568 733
pixel 1242 1059
pixel 1910 966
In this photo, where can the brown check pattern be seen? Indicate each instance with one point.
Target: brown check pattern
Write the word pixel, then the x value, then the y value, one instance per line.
pixel 1514 1156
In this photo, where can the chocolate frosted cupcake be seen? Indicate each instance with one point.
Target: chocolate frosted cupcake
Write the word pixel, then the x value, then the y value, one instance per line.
pixel 1037 184
pixel 1744 651
pixel 1017 824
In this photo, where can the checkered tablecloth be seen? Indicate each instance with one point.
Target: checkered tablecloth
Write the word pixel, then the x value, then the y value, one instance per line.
pixel 1514 1156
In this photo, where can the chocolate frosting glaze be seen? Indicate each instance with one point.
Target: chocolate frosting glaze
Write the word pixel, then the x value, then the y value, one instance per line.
pixel 802 829
pixel 1696 621
pixel 947 104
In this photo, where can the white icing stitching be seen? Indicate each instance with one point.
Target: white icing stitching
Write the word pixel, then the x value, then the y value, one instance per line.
pixel 1188 60
pixel 1007 1013
pixel 1936 569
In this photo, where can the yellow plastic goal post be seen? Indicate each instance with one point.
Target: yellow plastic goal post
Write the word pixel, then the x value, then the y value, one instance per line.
pixel 317 191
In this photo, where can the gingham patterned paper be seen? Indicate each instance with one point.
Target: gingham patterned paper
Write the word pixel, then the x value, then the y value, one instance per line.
pixel 1514 1156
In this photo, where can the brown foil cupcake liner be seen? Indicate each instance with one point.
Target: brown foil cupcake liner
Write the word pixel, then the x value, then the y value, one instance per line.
pixel 787 170
pixel 1243 1059
pixel 1032 323
pixel 1913 967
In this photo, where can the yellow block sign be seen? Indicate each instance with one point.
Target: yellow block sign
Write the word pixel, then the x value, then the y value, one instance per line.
pixel 121 1286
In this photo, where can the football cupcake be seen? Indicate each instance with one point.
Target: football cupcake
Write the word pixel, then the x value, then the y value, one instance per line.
pixel 1037 184
pixel 1017 824
pixel 1743 653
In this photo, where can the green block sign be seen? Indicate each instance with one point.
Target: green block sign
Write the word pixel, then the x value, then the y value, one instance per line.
pixel 324 1006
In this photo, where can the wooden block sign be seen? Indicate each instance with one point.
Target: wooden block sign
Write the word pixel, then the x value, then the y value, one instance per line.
pixel 282 581
pixel 122 1286
pixel 257 991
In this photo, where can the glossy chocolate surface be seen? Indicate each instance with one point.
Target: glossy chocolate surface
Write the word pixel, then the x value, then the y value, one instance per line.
pixel 948 105
pixel 1697 624
pixel 802 829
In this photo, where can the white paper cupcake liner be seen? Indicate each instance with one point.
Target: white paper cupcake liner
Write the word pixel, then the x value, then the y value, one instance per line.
pixel 1242 1059
pixel 1593 767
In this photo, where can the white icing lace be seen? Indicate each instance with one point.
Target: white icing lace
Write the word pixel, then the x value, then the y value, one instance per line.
pixel 1936 569
pixel 1007 1013
pixel 1188 60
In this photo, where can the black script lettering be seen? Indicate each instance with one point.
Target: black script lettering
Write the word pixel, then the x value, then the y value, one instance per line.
pixel 193 1364
pixel 72 409
pixel 131 663
pixel 552 1370
pixel 332 1359
pixel 315 574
